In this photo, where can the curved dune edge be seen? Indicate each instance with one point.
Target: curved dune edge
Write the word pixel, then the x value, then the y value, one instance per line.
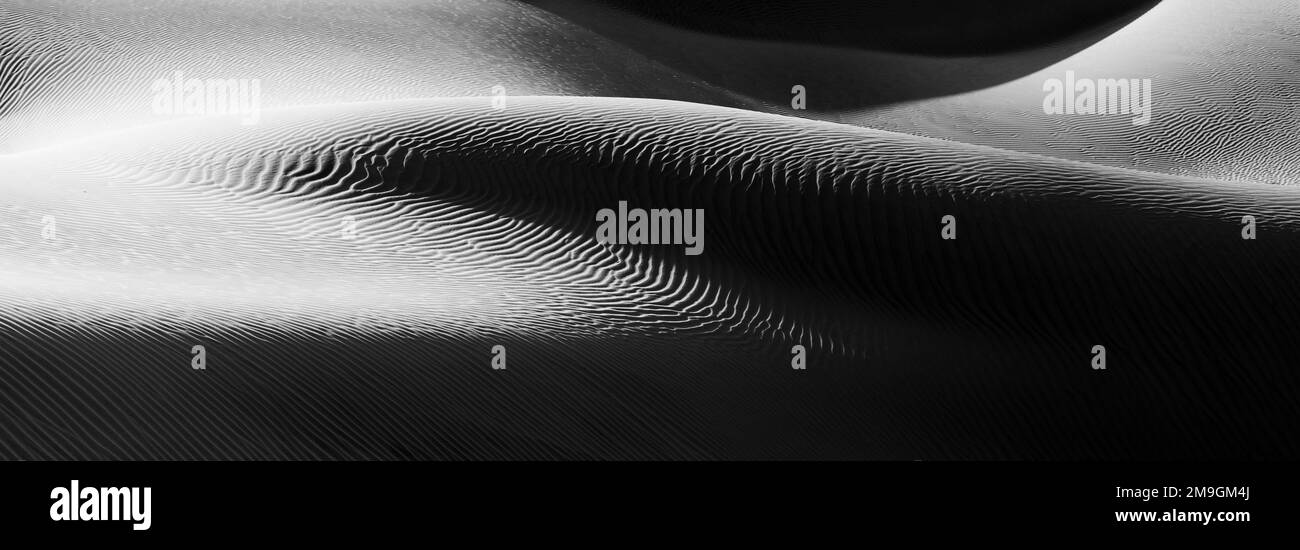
pixel 818 234
pixel 72 69
pixel 1223 101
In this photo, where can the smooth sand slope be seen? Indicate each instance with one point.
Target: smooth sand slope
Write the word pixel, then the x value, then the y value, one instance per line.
pixel 475 228
pixel 1225 84
pixel 1223 72
pixel 930 27
pixel 71 69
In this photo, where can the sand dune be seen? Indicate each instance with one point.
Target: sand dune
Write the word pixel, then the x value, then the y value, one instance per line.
pixel 926 27
pixel 73 70
pixel 843 72
pixel 1223 100
pixel 351 260
pixel 474 229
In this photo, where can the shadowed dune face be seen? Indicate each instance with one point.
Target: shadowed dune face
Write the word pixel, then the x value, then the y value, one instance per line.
pixel 836 48
pixel 1224 93
pixel 474 228
pixel 75 69
pixel 352 259
pixel 903 26
pixel 1222 101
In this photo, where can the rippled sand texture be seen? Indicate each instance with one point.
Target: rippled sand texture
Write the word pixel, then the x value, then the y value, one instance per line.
pixel 474 228
pixel 1224 85
pixel 1223 74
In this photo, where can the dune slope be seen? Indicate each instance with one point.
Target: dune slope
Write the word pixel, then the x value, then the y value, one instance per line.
pixel 474 228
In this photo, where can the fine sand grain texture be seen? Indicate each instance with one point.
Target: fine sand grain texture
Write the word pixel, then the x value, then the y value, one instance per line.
pixel 351 260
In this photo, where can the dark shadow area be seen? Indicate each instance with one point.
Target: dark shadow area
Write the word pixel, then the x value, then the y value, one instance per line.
pixel 928 27
pixel 848 56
